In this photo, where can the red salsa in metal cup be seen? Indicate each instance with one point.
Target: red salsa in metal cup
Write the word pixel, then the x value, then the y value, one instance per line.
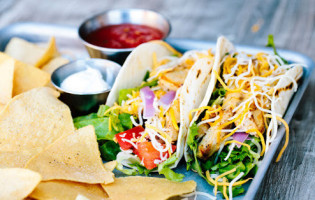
pixel 123 35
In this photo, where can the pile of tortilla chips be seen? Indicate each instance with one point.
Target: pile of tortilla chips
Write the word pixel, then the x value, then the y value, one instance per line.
pixel 24 66
pixel 42 156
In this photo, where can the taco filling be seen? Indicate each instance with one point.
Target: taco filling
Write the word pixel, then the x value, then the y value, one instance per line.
pixel 142 126
pixel 233 132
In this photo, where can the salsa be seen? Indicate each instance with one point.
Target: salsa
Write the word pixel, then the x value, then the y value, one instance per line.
pixel 123 36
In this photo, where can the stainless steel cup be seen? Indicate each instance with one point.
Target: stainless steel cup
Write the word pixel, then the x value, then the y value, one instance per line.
pixel 120 16
pixel 79 103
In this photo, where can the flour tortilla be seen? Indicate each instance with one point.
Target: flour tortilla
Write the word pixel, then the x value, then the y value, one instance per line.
pixel 196 82
pixel 284 88
pixel 223 46
pixel 135 67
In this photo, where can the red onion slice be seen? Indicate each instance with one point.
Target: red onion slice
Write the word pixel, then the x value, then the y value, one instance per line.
pixel 167 99
pixel 241 137
pixel 147 96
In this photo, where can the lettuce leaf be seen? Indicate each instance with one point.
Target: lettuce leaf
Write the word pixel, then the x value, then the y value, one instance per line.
pixel 101 110
pixel 164 168
pixel 125 121
pixel 109 150
pixel 130 172
pixel 141 169
pixel 86 117
pixel 101 128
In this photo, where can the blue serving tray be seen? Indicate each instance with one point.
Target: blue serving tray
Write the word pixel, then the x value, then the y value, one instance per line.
pixel 69 44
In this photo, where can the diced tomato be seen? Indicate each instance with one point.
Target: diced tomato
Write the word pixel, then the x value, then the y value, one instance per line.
pixel 148 154
pixel 128 135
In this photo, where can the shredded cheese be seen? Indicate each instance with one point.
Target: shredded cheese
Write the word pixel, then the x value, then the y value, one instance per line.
pixel 261 138
pixel 172 115
pixel 112 108
pixel 163 134
pixel 232 182
pixel 109 124
pixel 203 108
pixel 220 176
pixel 286 134
pixel 224 189
pixel 171 49
pixel 225 86
pixel 227 184
pixel 235 141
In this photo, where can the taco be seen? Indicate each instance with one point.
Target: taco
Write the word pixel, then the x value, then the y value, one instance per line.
pixel 238 118
pixel 149 104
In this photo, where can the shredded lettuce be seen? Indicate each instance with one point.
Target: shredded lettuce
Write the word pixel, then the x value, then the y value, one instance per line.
pixel 164 168
pixel 242 159
pixel 141 169
pixel 123 93
pixel 101 110
pixel 272 44
pixel 146 76
pixel 217 96
pixel 130 172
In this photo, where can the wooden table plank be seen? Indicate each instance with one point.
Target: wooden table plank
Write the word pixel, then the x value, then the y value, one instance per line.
pixel 291 21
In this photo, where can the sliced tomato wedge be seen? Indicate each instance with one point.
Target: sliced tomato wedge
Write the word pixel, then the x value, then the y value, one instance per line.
pixel 148 154
pixel 126 136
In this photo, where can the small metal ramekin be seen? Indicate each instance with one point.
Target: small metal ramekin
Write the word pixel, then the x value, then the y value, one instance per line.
pixel 120 16
pixel 79 103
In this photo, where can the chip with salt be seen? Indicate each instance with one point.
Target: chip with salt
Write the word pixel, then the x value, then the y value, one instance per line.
pixel 55 63
pixel 110 166
pixel 6 79
pixel 30 122
pixel 68 190
pixel 149 188
pixel 75 157
pixel 26 77
pixel 17 183
pixel 17 158
pixel 30 53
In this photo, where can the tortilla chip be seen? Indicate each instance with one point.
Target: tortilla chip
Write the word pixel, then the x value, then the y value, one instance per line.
pixel 81 197
pixel 34 120
pixel 2 106
pixel 110 166
pixel 17 183
pixel 16 158
pixel 54 64
pixel 6 79
pixel 75 157
pixel 27 77
pixel 68 190
pixel 30 53
pixel 138 187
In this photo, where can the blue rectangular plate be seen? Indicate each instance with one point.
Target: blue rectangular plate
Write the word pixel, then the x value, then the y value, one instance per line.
pixel 69 43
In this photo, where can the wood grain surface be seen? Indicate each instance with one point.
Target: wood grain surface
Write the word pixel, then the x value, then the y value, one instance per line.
pixel 243 21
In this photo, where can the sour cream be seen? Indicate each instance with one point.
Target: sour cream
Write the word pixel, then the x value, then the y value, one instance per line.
pixel 88 81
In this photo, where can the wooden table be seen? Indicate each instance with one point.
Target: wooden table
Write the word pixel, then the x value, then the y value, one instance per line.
pixel 243 21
